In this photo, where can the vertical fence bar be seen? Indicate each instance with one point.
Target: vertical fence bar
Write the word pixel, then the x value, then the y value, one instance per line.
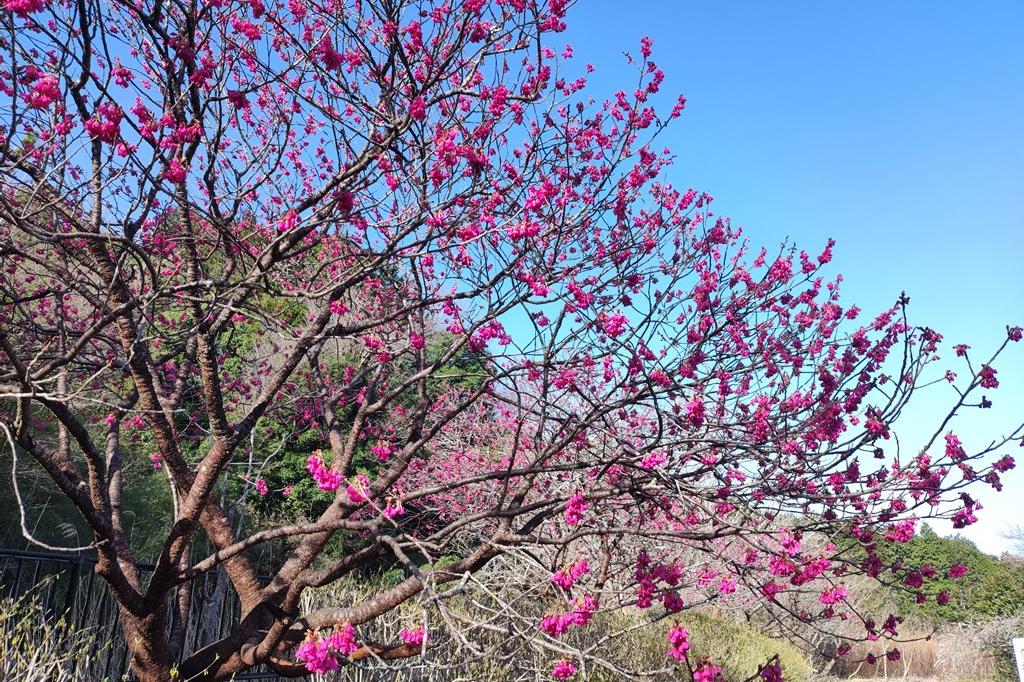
pixel 74 579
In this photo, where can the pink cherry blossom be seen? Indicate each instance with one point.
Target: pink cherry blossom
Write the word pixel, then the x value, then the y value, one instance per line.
pixel 24 7
pixel 708 672
pixel 957 571
pixel 325 478
pixel 575 508
pixel 679 643
pixel 45 91
pixel 563 670
pixel 317 656
pixel 414 637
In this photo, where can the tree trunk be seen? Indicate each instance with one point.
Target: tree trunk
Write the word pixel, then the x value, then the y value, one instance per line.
pixel 146 638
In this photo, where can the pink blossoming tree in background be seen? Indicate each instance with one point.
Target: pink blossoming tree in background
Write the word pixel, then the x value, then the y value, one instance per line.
pixel 368 193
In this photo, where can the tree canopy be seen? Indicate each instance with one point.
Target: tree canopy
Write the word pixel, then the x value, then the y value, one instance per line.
pixel 392 271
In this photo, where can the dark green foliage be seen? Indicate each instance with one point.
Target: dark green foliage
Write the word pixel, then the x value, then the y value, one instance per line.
pixel 991 588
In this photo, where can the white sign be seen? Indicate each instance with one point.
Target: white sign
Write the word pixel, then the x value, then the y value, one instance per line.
pixel 1018 651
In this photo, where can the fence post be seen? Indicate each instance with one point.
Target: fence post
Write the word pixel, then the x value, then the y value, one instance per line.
pixel 74 579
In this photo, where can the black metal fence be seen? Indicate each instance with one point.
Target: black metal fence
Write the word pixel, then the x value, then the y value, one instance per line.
pixel 67 586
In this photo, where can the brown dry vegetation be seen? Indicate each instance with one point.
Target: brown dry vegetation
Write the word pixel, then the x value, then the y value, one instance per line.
pixel 961 653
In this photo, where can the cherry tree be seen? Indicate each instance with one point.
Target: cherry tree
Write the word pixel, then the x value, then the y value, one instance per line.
pixel 409 229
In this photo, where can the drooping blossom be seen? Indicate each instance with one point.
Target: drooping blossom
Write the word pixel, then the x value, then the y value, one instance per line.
pixel 833 596
pixel 317 656
pixel 394 507
pixel 45 91
pixel 695 412
pixel 614 325
pixel 238 99
pixel 418 109
pixel 568 576
pixel 24 7
pixel 902 531
pixel 175 171
pixel 672 601
pixel 288 222
pixel 358 488
pixel 382 451
pixel 987 377
pixel 679 643
pixel 574 509
pixel 105 125
pixel 709 672
pixel 563 670
pixel 557 624
pixel 954 448
pixel 653 460
pixel 343 640
pixel 1004 464
pixel 325 478
pixel 957 571
pixel 414 637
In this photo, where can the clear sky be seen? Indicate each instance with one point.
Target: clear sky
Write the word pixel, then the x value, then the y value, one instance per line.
pixel 896 128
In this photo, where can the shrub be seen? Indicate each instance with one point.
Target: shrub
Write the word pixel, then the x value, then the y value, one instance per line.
pixel 35 647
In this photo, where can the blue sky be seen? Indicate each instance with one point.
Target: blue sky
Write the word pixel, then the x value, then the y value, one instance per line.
pixel 895 128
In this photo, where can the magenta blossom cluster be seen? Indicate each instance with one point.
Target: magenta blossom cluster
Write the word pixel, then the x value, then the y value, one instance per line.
pixel 649 574
pixel 709 672
pixel 414 637
pixel 24 7
pixel 321 655
pixel 325 478
pixel 105 125
pixel 383 451
pixel 557 624
pixel 957 571
pixel 563 670
pixel 673 388
pixel 358 488
pixel 574 509
pixel 833 596
pixel 394 507
pixel 45 91
pixel 678 642
pixel 568 576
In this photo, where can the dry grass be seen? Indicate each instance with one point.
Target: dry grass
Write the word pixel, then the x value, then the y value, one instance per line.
pixel 37 647
pixel 976 652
